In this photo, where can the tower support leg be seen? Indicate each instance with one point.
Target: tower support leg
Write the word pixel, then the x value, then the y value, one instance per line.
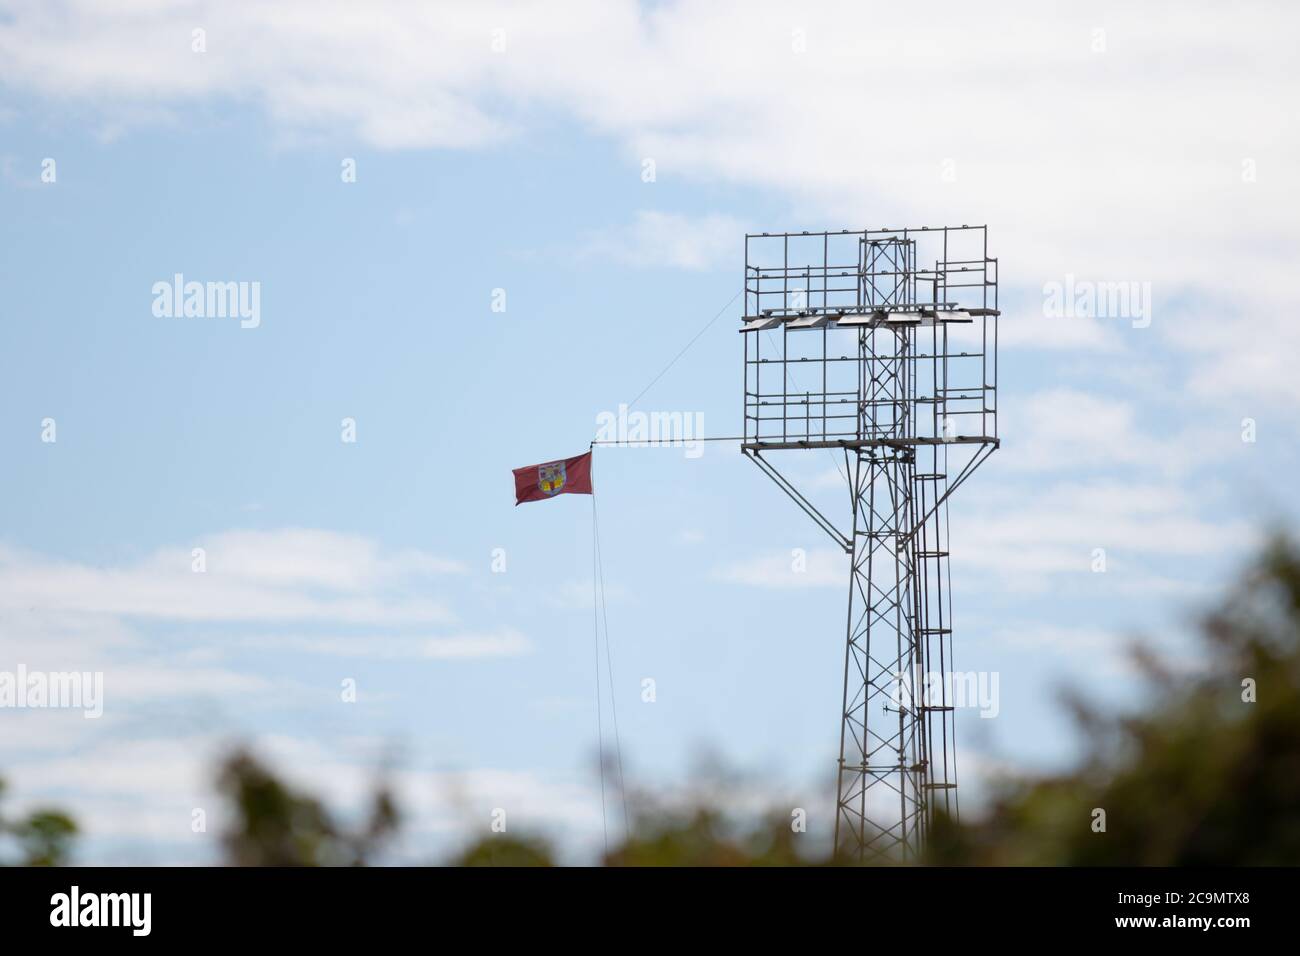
pixel 881 801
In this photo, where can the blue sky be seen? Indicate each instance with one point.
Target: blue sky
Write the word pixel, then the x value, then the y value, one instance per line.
pixel 1117 156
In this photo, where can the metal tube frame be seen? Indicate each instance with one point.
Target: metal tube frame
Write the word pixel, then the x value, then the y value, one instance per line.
pixel 913 404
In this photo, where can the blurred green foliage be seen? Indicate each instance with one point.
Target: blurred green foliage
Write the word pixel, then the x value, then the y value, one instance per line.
pixel 703 836
pixel 273 826
pixel 1207 772
pixel 505 850
pixel 44 837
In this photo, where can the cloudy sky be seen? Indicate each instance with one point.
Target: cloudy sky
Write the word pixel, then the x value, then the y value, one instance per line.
pixel 391 174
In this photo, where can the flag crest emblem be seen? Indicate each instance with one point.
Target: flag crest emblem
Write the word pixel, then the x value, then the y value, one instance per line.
pixel 551 477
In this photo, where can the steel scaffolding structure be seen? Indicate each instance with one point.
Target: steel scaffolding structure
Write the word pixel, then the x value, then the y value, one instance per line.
pixel 897 330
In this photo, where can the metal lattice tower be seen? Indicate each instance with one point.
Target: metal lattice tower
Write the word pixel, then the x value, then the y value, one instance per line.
pixel 881 345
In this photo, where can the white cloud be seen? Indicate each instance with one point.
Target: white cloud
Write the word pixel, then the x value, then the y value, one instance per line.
pixel 1243 349
pixel 578 595
pixel 668 240
pixel 505 642
pixel 287 575
pixel 314 558
pixel 1031 534
pixel 1104 652
pixel 135 683
pixel 1029 537
pixel 1031 330
pixel 144 791
pixel 136 622
pixel 1121 163
pixel 818 568
pixel 1084 432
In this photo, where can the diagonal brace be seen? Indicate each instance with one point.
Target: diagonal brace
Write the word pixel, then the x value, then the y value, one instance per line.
pixel 841 539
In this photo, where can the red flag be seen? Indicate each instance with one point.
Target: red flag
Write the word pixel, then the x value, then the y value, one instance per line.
pixel 572 476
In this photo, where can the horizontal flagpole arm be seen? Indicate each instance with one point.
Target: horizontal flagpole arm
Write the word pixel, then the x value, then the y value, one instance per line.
pixel 640 442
